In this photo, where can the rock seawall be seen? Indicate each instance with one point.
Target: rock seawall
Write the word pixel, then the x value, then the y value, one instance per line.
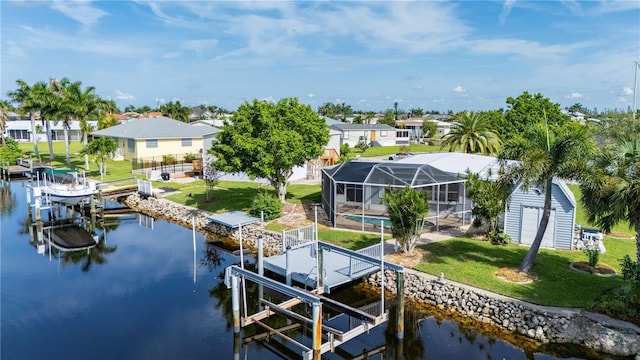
pixel 542 323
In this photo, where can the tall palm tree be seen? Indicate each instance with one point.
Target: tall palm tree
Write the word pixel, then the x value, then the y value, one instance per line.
pixel 613 193
pixel 84 103
pixel 544 153
pixel 62 110
pixel 24 97
pixel 471 133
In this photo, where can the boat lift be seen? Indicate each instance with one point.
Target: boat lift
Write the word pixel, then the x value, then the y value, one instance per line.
pixel 235 276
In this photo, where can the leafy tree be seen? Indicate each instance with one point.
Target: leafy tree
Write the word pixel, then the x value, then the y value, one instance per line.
pixel 388 118
pixel 338 111
pixel 526 110
pixel 106 121
pixel 10 151
pixel 130 108
pixel 616 125
pixel 267 140
pixel 471 133
pixel 407 208
pixel 211 173
pixel 612 194
pixel 489 198
pixel 577 107
pixel 416 112
pixel 544 153
pixel 5 108
pixel 429 128
pixel 101 148
pixel 345 153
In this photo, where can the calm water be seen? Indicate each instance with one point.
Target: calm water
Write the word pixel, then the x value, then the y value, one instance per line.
pixel 139 294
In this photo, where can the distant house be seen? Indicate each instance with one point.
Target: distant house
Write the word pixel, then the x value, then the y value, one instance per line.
pixel 376 134
pixel 20 130
pixel 151 137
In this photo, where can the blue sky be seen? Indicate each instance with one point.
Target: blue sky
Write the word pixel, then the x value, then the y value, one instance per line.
pixel 466 55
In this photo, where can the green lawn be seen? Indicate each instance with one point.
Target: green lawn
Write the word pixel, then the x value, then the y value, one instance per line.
pixel 116 170
pixel 475 263
pixel 390 150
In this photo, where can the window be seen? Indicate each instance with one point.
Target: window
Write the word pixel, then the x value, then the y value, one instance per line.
pixel 354 192
pixel 346 134
pixel 131 145
pixel 186 142
pixel 152 143
pixel 383 133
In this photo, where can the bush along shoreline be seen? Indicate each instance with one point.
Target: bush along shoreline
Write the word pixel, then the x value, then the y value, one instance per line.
pixel 540 323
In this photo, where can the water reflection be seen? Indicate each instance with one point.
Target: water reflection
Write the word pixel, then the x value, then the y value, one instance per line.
pixel 7 198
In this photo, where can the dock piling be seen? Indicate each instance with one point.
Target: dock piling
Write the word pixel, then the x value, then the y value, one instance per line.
pixel 235 303
pixel 399 305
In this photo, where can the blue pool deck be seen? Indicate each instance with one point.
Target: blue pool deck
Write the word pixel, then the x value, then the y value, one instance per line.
pixel 340 266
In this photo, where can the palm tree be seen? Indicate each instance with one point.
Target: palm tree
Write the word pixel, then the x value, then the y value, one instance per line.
pixel 471 134
pixel 613 193
pixel 544 153
pixel 61 109
pixel 24 97
pixel 102 148
pixel 84 103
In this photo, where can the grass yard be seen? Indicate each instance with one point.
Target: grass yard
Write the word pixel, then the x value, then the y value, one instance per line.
pixel 390 150
pixel 475 263
pixel 116 170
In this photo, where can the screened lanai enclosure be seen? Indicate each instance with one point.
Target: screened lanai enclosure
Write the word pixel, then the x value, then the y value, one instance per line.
pixel 353 192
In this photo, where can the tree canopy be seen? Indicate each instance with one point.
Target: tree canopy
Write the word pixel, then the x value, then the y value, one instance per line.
pixel 267 140
pixel 471 133
pixel 527 110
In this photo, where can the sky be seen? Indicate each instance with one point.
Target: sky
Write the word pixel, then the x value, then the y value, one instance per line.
pixel 433 55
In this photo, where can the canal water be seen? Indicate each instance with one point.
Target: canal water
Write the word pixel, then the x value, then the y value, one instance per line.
pixel 143 293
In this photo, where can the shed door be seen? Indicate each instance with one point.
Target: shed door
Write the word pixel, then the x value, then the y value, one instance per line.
pixel 530 221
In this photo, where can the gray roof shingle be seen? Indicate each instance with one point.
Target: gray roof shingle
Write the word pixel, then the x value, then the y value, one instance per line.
pixel 160 127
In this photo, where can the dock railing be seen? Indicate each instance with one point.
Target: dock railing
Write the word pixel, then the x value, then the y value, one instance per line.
pixel 356 265
pixel 297 237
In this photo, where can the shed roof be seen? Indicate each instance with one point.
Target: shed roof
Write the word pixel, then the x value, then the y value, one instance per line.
pixel 160 127
pixel 233 219
pixel 361 127
pixel 458 163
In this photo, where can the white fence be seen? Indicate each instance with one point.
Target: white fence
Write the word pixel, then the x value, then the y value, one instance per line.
pixel 356 265
pixel 297 237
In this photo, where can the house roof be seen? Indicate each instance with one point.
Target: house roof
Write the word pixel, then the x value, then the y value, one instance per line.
pixel 389 173
pixel 458 163
pixel 160 127
pixel 361 127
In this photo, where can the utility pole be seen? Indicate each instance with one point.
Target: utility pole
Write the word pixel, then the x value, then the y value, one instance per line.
pixel 635 90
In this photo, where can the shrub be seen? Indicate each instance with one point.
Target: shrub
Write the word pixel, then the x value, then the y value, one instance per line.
pixel 168 159
pixel 622 302
pixel 405 148
pixel 268 204
pixel 630 269
pixel 10 152
pixel 363 145
pixel 498 237
pixel 188 158
pixel 593 254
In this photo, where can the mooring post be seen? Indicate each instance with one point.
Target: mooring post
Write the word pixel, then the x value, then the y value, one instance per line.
pixel 399 305
pixel 37 202
pixel 235 303
pixel 236 346
pixel 260 266
pixel 317 330
pixel 288 265
pixel 28 189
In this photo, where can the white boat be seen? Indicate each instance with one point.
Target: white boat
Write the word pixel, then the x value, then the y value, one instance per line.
pixel 67 187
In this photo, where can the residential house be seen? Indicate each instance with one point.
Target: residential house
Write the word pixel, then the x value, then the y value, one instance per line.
pixel 154 137
pixel 352 193
pixel 376 134
pixel 21 130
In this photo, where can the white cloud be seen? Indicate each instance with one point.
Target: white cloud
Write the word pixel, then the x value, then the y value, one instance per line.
pixel 79 10
pixel 311 95
pixel 574 95
pixel 621 100
pixel 15 50
pixel 200 45
pixel 459 89
pixel 172 55
pixel 572 5
pixel 121 95
pixel 506 10
pixel 627 90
